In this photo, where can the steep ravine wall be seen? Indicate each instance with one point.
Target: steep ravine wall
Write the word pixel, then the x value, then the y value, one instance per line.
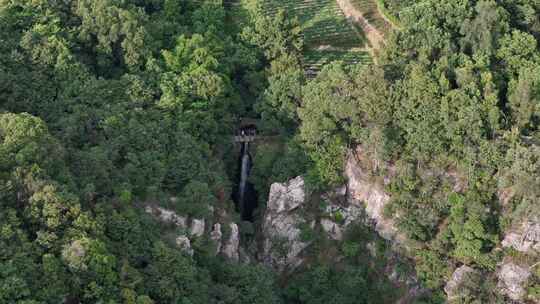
pixel 367 193
pixel 362 200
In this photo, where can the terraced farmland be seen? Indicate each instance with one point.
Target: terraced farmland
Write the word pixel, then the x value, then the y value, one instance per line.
pixel 370 11
pixel 328 34
pixel 314 60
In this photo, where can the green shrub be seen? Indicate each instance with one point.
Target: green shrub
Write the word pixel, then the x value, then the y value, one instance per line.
pixel 350 249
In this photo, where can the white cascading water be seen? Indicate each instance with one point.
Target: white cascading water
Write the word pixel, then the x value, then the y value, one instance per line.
pixel 244 174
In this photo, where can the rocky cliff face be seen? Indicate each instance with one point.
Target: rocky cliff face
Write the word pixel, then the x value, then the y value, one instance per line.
pixel 282 245
pixel 360 201
pixel 232 244
pixel 197 228
pixel 287 212
pixel 525 238
pixel 513 277
pixel 367 193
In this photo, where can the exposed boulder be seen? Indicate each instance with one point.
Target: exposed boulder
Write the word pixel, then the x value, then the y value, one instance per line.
pixel 458 180
pixel 230 248
pixel 459 277
pixel 282 245
pixel 332 224
pixel 287 197
pixel 197 227
pixel 216 236
pixel 333 229
pixel 184 244
pixel 513 280
pixel 167 216
pixel 524 239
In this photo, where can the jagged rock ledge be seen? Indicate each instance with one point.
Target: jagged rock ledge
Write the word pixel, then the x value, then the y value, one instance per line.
pixel 229 248
pixel 282 245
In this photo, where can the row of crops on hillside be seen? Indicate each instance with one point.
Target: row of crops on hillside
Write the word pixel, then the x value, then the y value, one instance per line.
pixel 323 21
pixel 314 60
pixel 324 25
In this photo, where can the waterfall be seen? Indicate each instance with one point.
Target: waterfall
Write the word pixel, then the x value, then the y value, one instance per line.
pixel 245 195
pixel 244 173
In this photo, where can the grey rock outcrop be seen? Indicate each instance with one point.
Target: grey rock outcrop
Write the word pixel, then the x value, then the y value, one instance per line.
pixel 460 275
pixel 287 197
pixel 364 191
pixel 513 280
pixel 197 227
pixel 286 213
pixel 230 248
pixel 216 236
pixel 333 229
pixel 361 201
pixel 167 216
pixel 184 244
pixel 282 245
pixel 524 239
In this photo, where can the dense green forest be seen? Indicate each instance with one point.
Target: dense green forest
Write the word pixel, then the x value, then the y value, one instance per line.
pixel 106 105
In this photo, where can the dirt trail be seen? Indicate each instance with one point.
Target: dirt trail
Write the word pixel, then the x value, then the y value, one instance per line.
pixel 392 24
pixel 374 36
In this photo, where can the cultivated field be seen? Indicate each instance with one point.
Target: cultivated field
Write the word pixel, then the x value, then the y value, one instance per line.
pixel 314 60
pixel 328 34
